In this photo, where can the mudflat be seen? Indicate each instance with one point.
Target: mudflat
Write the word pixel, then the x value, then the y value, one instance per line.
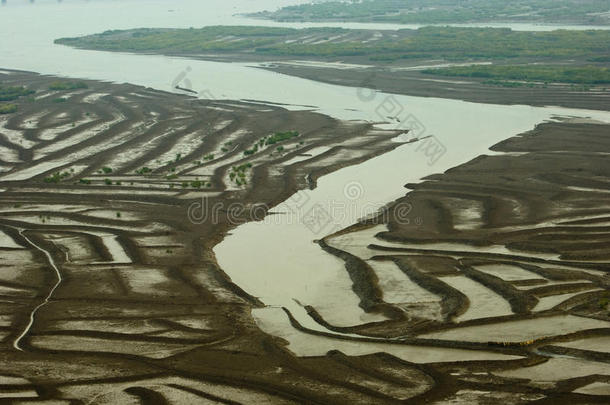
pixel 409 80
pixel 113 197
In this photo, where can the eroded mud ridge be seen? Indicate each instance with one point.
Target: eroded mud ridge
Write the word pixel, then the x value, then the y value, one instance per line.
pixel 495 289
pixel 109 292
pixel 510 252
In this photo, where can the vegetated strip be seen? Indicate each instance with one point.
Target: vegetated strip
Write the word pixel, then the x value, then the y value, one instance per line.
pixel 456 43
pixel 529 73
pixel 443 11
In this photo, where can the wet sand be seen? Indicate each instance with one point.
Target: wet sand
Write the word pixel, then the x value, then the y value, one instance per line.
pixel 110 293
pixel 110 283
pixel 538 258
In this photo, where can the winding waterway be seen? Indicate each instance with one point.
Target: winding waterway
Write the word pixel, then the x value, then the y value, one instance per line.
pixel 277 259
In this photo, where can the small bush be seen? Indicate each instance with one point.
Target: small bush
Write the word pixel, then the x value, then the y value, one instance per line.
pixel 56 177
pixel 8 108
pixel 143 171
pixel 52 179
pixel 13 92
pixel 281 136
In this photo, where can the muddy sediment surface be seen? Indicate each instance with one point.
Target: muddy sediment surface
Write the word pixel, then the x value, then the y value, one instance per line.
pixel 113 198
pixel 515 245
pixel 408 80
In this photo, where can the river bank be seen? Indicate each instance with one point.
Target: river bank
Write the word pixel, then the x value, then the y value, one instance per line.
pixel 559 68
pixel 409 80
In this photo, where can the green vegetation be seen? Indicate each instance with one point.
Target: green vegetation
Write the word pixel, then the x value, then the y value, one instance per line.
pixel 238 174
pixel 510 84
pixel 57 177
pixel 108 182
pixel 190 40
pixel 67 85
pixel 605 58
pixel 144 170
pixel 427 42
pixel 85 181
pixel 280 136
pixel 106 170
pixel 194 184
pixel 8 108
pixel 528 73
pixel 13 92
pixel 271 140
pixel 59 100
pixel 446 11
pixel 252 151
